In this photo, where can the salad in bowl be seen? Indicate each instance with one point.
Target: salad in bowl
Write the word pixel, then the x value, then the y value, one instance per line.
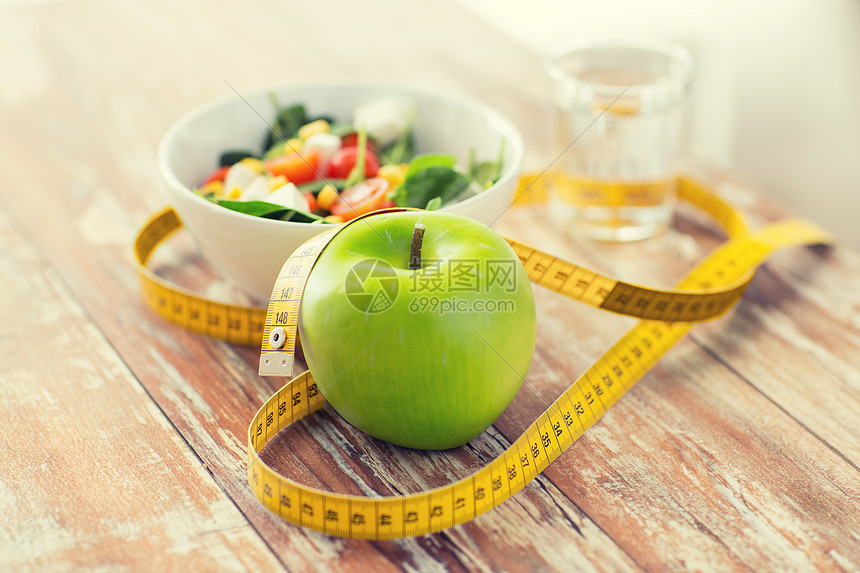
pixel 298 146
pixel 322 169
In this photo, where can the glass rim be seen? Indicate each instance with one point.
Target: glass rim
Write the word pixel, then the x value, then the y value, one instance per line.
pixel 675 53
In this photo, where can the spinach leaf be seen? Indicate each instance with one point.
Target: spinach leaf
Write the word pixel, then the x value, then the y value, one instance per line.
pixel 422 162
pixel 418 189
pixel 317 185
pixel 290 119
pixel 268 211
pixel 255 208
pixel 287 122
pixel 485 173
pixel 210 196
pixel 341 129
pixel 402 149
pixel 234 156
pixel 433 204
pixel 303 217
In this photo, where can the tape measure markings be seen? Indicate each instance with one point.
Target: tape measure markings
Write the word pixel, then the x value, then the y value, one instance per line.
pixel 284 305
pixel 239 325
pixel 221 321
pixel 540 444
pixel 718 282
pixel 591 288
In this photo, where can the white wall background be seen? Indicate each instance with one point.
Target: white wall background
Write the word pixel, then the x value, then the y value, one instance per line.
pixel 777 91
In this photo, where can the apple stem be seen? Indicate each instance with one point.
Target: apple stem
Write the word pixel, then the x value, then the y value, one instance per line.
pixel 417 241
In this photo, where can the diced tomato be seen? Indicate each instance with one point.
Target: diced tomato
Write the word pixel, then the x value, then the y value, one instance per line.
pixel 217 175
pixel 344 159
pixel 297 167
pixel 363 197
pixel 351 140
pixel 312 201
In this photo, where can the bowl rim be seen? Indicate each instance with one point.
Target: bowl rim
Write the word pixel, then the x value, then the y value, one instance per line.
pixel 515 142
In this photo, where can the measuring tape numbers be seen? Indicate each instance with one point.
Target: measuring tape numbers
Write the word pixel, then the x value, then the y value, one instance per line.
pixel 711 289
pixel 237 324
pixel 246 325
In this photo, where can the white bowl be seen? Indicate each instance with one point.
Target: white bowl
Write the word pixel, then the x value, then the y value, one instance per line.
pixel 250 251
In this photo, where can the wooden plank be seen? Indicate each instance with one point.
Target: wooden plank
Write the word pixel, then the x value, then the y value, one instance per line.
pixel 801 299
pixel 803 305
pixel 683 521
pixel 93 474
pixel 539 528
pixel 210 391
pixel 695 470
pixel 101 83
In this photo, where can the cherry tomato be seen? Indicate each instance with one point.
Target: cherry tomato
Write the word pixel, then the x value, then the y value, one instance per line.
pixel 363 197
pixel 312 201
pixel 217 175
pixel 298 168
pixel 351 140
pixel 343 160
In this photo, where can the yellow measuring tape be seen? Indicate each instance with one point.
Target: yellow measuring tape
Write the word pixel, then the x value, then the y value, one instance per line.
pixel 240 325
pixel 708 291
pixel 243 325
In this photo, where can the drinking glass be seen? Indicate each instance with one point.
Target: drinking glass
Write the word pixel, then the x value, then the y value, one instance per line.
pixel 621 106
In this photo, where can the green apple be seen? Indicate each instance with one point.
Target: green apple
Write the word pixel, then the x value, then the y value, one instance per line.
pixel 426 357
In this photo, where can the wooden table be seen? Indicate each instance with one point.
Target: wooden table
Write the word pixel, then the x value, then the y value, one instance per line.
pixel 124 436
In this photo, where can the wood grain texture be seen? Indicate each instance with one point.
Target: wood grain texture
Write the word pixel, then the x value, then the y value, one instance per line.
pixel 717 454
pixel 739 451
pixel 93 473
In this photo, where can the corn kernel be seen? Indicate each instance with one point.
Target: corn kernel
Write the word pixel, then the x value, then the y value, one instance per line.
pixel 214 187
pixel 234 193
pixel 327 197
pixel 254 164
pixel 318 126
pixel 334 219
pixel 294 144
pixel 277 182
pixel 395 174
